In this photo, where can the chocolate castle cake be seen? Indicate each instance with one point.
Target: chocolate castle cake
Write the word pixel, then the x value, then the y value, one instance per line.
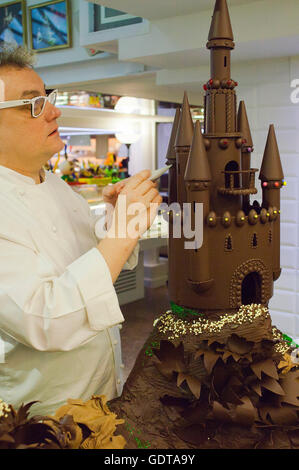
pixel 215 372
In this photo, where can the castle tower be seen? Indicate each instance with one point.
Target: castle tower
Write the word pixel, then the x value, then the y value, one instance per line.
pixel 182 146
pixel 198 178
pixel 271 176
pixel 246 149
pixel 183 141
pixel 239 258
pixel 171 159
pixel 220 95
pixel 222 139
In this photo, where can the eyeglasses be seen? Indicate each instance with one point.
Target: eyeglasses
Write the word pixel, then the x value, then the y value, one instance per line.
pixel 37 104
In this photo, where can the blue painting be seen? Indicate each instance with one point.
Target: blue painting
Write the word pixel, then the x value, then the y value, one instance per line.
pixel 50 28
pixel 12 23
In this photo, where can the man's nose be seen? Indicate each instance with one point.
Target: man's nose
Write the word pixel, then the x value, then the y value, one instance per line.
pixel 52 112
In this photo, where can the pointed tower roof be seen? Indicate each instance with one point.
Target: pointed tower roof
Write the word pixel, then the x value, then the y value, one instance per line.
pixel 198 168
pixel 171 155
pixel 185 126
pixel 271 169
pixel 243 124
pixel 221 27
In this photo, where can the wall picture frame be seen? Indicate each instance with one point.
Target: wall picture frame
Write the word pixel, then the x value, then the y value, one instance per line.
pixel 50 26
pixel 13 23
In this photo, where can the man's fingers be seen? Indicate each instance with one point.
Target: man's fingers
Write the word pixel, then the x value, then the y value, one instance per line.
pixel 149 196
pixel 109 190
pixel 137 179
pixel 119 186
pixel 145 186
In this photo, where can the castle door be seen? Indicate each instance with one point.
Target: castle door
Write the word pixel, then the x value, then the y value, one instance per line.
pixel 251 289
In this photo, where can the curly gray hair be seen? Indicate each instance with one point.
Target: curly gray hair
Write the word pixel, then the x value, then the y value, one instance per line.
pixel 16 56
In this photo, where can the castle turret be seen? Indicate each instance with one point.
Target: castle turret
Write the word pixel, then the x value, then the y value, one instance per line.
pixel 171 159
pixel 271 176
pixel 246 149
pixel 220 97
pixel 198 178
pixel 182 146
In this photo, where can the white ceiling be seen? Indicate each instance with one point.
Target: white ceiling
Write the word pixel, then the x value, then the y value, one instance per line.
pixel 157 9
pixel 176 44
pixel 141 85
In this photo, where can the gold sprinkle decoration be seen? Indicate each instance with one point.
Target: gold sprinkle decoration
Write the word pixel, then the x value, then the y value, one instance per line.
pixel 174 327
pixel 4 409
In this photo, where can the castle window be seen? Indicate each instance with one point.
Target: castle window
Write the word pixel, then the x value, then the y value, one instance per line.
pixel 232 179
pixel 270 236
pixel 225 61
pixel 254 241
pixel 228 244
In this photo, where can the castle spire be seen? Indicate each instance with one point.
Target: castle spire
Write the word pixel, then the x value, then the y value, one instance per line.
pixel 198 168
pixel 221 27
pixel 171 155
pixel 243 125
pixel 271 169
pixel 185 126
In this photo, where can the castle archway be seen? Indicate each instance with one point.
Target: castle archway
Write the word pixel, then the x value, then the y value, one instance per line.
pixel 250 283
pixel 252 289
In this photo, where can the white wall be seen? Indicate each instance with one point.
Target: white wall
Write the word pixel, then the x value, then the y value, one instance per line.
pixel 265 87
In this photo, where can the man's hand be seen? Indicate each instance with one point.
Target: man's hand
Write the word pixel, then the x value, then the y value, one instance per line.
pixel 110 193
pixel 137 189
pixel 143 192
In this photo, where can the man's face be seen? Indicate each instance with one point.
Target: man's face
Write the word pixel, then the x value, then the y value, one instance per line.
pixel 25 140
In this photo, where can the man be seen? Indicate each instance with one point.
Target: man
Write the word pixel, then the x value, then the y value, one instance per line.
pixel 58 307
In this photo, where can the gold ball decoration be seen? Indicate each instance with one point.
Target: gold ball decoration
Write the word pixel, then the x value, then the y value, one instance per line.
pixel 264 216
pixel 226 219
pixel 271 214
pixel 239 143
pixel 240 219
pixel 212 219
pixel 253 217
pixel 223 143
pixel 275 213
pixel 207 143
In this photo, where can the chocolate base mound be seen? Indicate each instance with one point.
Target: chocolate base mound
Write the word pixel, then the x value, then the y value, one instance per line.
pixel 232 383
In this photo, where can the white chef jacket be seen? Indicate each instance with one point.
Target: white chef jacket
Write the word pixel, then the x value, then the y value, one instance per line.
pixel 59 312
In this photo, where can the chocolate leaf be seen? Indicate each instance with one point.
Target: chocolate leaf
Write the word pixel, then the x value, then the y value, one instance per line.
pixel 290 386
pixel 193 383
pixel 210 359
pixel 245 413
pixel 256 387
pixel 220 413
pixel 239 345
pixel 228 354
pixel 283 416
pixel 271 384
pixel 267 366
pixel 171 358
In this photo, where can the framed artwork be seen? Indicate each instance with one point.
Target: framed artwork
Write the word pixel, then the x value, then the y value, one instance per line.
pixel 13 23
pixel 50 26
pixel 108 18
